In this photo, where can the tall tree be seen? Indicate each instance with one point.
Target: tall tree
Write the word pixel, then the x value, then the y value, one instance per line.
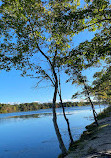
pixel 86 91
pixel 30 29
pixel 96 15
pixel 74 70
pixel 28 26
pixel 24 31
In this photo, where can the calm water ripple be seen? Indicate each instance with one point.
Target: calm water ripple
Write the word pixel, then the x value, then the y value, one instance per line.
pixel 31 134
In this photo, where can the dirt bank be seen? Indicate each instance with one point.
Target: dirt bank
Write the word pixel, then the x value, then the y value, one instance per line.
pixel 95 142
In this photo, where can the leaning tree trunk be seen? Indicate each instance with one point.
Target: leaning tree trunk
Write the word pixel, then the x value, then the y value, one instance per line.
pixel 61 144
pixel 52 65
pixel 92 105
pixel 67 121
pixel 94 112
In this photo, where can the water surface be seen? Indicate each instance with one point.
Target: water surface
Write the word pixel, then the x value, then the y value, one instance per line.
pixel 32 135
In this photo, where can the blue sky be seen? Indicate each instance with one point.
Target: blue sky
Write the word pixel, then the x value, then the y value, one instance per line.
pixel 17 89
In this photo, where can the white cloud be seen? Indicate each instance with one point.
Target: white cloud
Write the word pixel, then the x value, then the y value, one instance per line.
pixel 36 102
pixel 71 100
pixel 12 103
pixel 67 100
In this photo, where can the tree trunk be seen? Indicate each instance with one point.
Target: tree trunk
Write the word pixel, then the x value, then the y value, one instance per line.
pixel 52 65
pixel 100 107
pixel 61 144
pixel 94 112
pixel 67 121
pixel 92 105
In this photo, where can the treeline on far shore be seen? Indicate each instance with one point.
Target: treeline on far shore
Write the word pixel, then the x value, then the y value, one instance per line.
pixel 7 108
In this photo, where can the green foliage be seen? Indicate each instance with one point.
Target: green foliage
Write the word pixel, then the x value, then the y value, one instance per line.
pixel 7 108
pixel 92 16
pixel 28 26
pixel 97 15
pixel 32 23
pixel 102 85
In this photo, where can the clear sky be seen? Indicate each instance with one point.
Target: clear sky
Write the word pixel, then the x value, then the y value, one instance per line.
pixel 15 88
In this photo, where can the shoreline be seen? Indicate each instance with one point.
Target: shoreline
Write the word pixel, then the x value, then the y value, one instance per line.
pixel 7 108
pixel 95 141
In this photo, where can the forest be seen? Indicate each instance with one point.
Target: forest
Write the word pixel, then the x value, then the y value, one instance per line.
pixel 7 108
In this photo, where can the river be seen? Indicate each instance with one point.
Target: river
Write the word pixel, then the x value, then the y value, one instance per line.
pixel 32 135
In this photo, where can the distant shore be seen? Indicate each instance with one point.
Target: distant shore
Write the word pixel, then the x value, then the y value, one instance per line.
pixel 95 141
pixel 7 108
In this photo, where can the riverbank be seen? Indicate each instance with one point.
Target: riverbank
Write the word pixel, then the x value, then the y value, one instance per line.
pixel 95 142
pixel 7 108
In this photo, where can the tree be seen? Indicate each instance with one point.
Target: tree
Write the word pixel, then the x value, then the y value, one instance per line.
pixel 25 21
pixel 28 26
pixel 82 80
pixel 102 85
pixel 96 15
pixel 67 121
pixel 76 77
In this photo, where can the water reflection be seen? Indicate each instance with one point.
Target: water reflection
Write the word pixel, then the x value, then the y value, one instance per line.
pixel 31 134
pixel 22 117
